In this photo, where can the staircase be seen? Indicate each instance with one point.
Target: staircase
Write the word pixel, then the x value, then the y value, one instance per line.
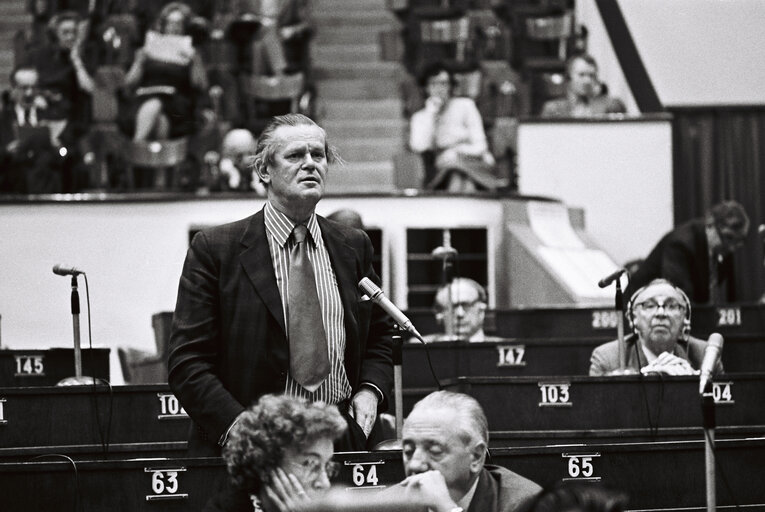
pixel 13 17
pixel 358 96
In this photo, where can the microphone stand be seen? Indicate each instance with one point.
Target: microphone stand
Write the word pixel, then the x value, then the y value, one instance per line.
pixel 622 349
pixel 398 394
pixel 708 413
pixel 446 253
pixel 78 378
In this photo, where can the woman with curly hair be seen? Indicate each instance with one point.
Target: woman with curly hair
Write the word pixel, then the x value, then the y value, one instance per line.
pixel 279 452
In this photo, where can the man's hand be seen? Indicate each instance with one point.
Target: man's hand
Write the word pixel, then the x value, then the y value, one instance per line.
pixel 434 104
pixel 430 489
pixel 669 364
pixel 364 409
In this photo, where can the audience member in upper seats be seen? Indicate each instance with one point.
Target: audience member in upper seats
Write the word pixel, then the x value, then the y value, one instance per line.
pixel 583 97
pixel 168 73
pixel 236 173
pixel 463 318
pixel 29 164
pixel 445 441
pixel 452 129
pixel 580 497
pixel 279 46
pixel 279 455
pixel 660 317
pixel 698 255
pixel 65 81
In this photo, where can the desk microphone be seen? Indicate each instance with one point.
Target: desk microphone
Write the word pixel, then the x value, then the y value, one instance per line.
pixel 711 356
pixel 610 278
pixel 379 298
pixel 62 270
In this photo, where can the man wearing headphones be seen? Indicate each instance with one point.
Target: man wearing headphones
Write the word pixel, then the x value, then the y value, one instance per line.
pixel 584 92
pixel 660 317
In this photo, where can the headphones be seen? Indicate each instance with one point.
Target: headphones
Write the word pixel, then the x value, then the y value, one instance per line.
pixel 686 300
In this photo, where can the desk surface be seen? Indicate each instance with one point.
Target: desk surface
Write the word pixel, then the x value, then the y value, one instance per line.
pixel 655 475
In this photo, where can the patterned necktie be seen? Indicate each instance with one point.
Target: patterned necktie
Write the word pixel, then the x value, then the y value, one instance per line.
pixel 309 362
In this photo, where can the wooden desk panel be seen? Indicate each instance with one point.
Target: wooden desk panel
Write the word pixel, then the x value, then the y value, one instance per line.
pixel 24 368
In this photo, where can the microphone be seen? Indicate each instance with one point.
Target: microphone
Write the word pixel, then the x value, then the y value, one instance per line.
pixel 610 278
pixel 61 270
pixel 711 356
pixel 379 298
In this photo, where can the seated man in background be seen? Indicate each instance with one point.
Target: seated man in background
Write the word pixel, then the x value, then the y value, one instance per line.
pixel 583 92
pixel 279 454
pixel 452 129
pixel 445 440
pixel 697 255
pixel 463 318
pixel 660 316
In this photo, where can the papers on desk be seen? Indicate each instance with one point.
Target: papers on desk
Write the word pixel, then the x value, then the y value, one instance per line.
pixel 566 254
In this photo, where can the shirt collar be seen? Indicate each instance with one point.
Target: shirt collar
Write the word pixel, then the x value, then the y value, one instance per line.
pixel 464 502
pixel 280 226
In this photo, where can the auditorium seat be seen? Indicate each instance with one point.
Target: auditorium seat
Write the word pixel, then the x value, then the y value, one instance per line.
pixel 164 157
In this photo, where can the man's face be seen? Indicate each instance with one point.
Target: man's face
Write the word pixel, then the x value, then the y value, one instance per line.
pixel 25 87
pixel 583 78
pixel 730 235
pixel 467 313
pixel 312 466
pixel 431 441
pixel 66 33
pixel 658 316
pixel 297 176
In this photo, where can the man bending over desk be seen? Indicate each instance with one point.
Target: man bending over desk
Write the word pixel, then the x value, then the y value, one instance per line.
pixel 660 317
pixel 445 440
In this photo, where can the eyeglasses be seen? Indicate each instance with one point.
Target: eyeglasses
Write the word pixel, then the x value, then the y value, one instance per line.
pixel 313 467
pixel 670 306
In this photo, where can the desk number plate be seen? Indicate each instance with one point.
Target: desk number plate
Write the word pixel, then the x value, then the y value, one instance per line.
pixel 555 394
pixel 605 319
pixel 722 392
pixel 165 483
pixel 364 474
pixel 3 421
pixel 169 408
pixel 30 366
pixel 511 355
pixel 581 466
pixel 728 317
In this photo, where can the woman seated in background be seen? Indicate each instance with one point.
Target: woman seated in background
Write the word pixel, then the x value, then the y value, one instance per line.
pixel 451 127
pixel 167 73
pixel 279 452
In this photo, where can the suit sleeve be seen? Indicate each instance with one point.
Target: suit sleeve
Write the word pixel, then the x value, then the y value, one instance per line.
pixel 377 359
pixel 676 267
pixel 195 342
pixel 597 363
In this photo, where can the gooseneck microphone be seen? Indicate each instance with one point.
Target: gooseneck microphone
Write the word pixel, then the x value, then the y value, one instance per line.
pixel 711 356
pixel 62 270
pixel 378 297
pixel 610 278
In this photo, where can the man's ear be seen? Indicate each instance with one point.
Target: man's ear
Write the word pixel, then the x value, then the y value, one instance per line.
pixel 261 168
pixel 477 457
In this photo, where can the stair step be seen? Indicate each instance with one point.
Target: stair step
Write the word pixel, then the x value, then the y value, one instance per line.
pixel 374 18
pixel 337 53
pixel 377 177
pixel 368 150
pixel 14 22
pixel 363 88
pixel 360 109
pixel 346 34
pixel 348 5
pixel 342 129
pixel 351 70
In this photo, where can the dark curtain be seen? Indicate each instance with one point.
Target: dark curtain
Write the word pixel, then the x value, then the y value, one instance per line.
pixel 720 154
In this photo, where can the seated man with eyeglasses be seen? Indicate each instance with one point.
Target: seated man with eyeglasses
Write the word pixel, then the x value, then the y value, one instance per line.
pixel 279 455
pixel 660 317
pixel 461 312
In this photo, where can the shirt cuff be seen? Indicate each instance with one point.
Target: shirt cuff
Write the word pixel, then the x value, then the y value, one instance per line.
pixel 380 396
pixel 224 438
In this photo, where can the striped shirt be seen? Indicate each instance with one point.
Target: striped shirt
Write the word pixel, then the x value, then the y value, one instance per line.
pixel 336 387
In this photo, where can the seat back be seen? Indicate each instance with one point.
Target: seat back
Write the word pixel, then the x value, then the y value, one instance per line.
pixel 158 153
pixel 271 88
pixel 551 28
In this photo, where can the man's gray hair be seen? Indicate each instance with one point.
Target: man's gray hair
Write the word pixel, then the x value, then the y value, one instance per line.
pixel 468 413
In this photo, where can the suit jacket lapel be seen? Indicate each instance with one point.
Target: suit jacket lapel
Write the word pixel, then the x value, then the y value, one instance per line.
pixel 256 260
pixel 343 259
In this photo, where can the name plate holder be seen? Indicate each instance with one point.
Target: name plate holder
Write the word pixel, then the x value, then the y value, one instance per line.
pixel 165 484
pixel 555 394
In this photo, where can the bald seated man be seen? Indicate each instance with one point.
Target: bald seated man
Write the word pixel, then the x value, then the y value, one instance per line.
pixel 660 316
pixel 445 440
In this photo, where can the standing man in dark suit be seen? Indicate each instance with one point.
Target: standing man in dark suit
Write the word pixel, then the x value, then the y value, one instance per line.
pixel 271 304
pixel 697 255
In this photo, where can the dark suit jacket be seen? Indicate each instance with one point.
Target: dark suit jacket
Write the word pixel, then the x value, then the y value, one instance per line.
pixel 682 256
pixel 605 358
pixel 501 490
pixel 228 344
